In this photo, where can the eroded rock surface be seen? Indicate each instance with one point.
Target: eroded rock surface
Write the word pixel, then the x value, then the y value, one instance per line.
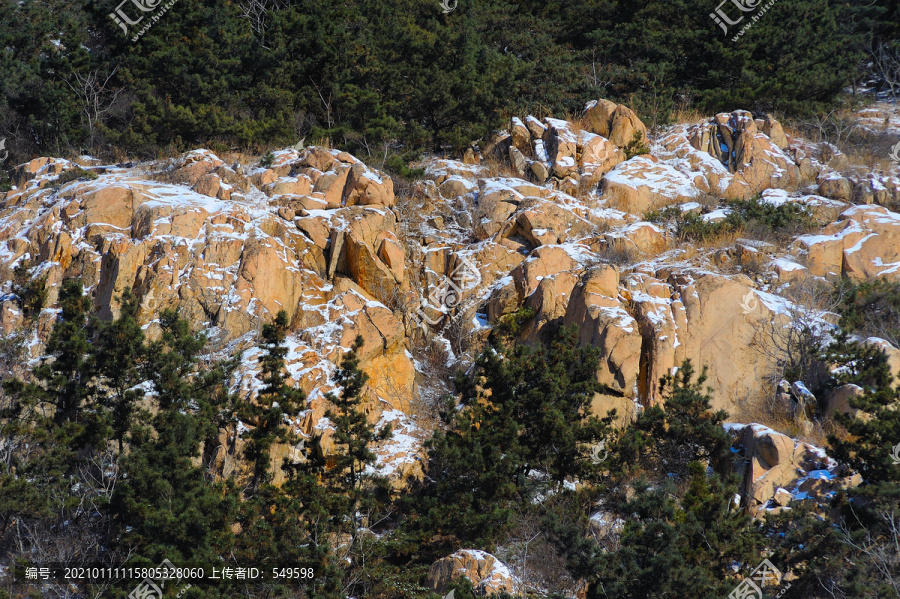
pixel 550 221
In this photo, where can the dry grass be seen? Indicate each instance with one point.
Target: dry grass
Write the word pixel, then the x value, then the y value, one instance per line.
pixel 723 240
pixel 499 168
pixel 688 116
pixel 322 142
pixel 579 120
pixel 620 253
pixel 875 156
pixel 586 186
pixel 843 129
pixel 778 415
pixel 708 200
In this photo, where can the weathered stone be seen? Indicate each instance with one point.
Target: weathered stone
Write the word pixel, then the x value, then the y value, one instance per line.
pixel 488 575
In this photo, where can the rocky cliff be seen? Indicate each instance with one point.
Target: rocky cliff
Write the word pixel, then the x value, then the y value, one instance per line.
pixel 546 222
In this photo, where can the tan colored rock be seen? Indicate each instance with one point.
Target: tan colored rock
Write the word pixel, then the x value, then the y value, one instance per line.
pixel 617 123
pixel 392 377
pixel 599 115
pixel 718 333
pixel 498 145
pixel 391 253
pixel 456 186
pixel 496 202
pixel 625 408
pixel 521 136
pixel 28 171
pixel 839 401
pixel 624 125
pixel 774 448
pixel 550 301
pixel 878 253
pixel 756 161
pixel 300 185
pixel 774 130
pixel 782 497
pixel 544 222
pixel 113 205
pixel 835 187
pixel 503 300
pixel 863 244
pixel 264 271
pixel 331 186
pixel 643 184
pixel 644 237
pixel 561 144
pixel 118 269
pixel 366 187
pixel 774 461
pixel 540 172
pixel 154 219
pixel 543 262
pixel 517 161
pixel 535 127
pixel 824 255
pixel 196 165
pixel 788 270
pixel 602 321
pixel 367 269
pixel 597 156
pixel 317 158
pixel 208 185
pixel 488 575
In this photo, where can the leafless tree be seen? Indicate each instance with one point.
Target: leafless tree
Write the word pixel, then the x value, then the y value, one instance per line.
pixel 97 96
pixel 886 65
pixel 258 14
pixel 832 127
pixel 882 551
pixel 325 103
pixel 531 555
pixel 789 342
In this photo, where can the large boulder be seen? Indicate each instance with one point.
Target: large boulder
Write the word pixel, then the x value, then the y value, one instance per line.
pixel 602 321
pixel 488 575
pixel 561 144
pixel 863 244
pixel 618 123
pixel 496 202
pixel 643 184
pixel 839 401
pixel 367 187
pixel 597 155
pixel 756 161
pixel 722 318
pixel 778 470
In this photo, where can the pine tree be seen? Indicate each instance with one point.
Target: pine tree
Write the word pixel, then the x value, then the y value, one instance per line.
pixel 674 547
pixel 275 399
pixel 525 411
pixel 53 482
pixel 275 520
pixel 353 435
pixel 118 351
pixel 68 378
pixel 166 507
pixel 868 449
pixel 666 439
pixel 30 291
pixel 857 554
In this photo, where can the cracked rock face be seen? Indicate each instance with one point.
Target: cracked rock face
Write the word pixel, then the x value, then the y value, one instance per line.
pixel 552 224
